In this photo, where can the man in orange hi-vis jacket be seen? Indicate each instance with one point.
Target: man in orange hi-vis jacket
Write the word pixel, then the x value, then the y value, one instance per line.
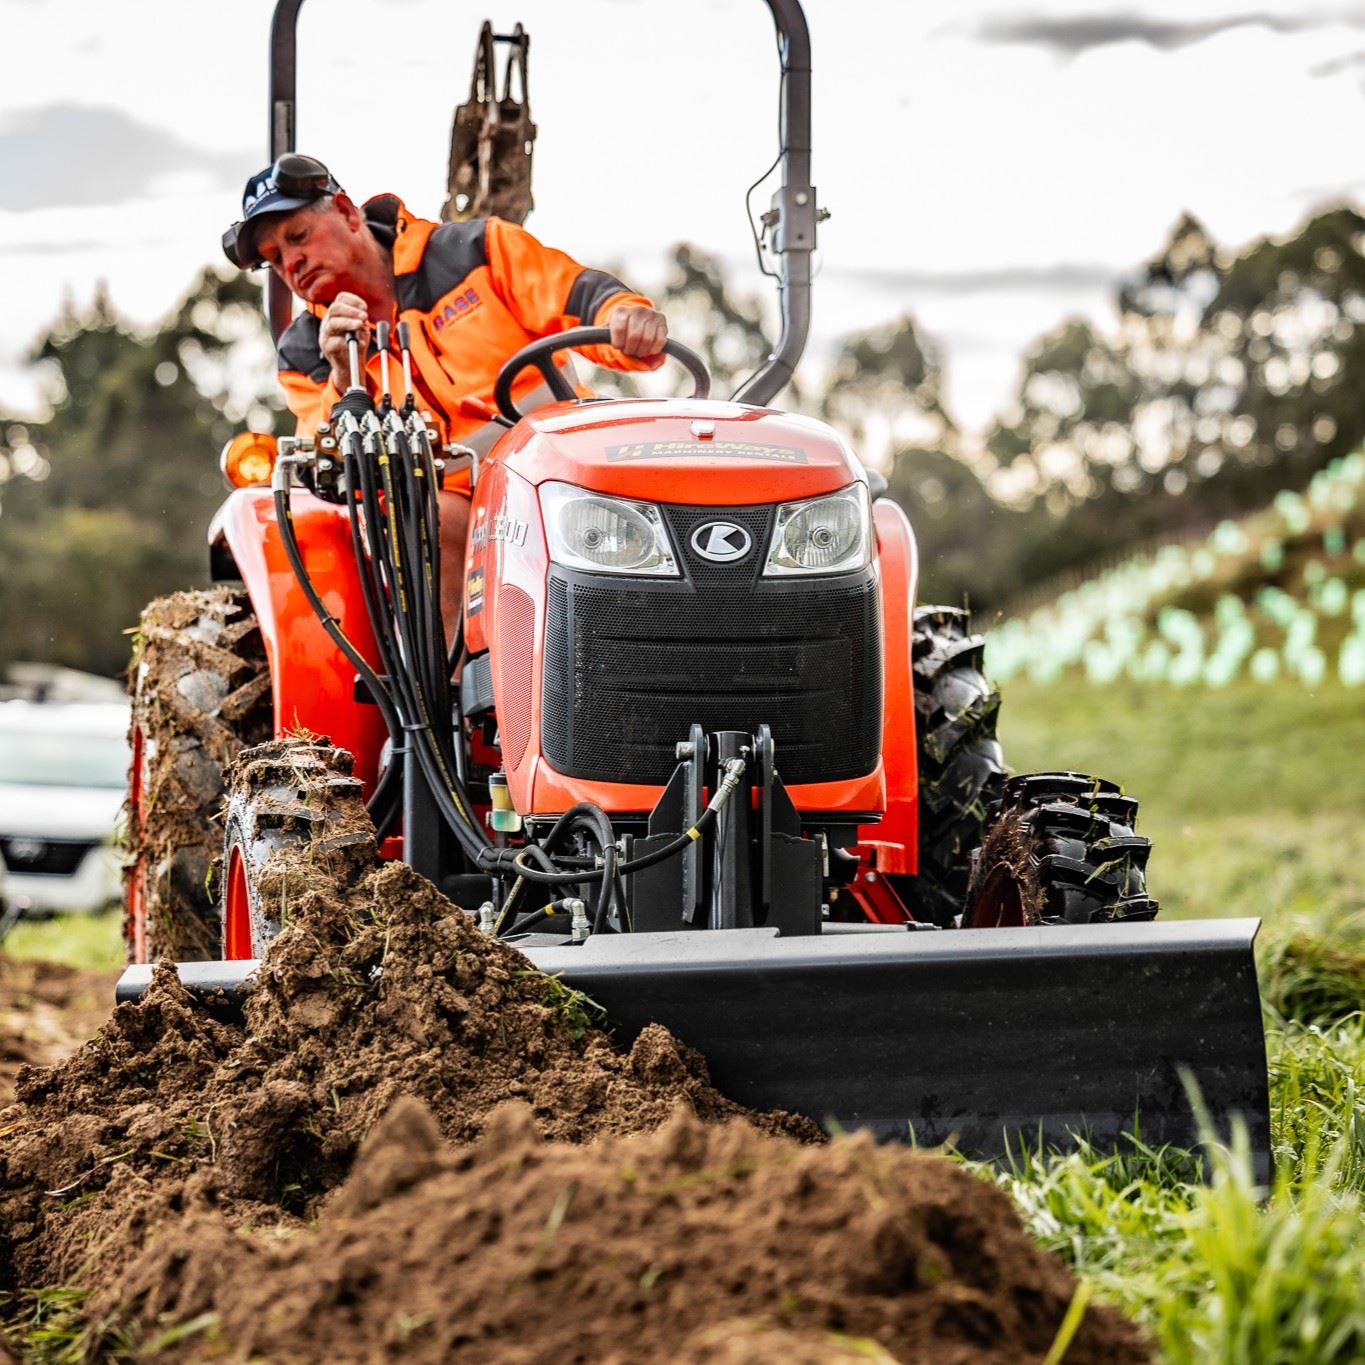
pixel 472 294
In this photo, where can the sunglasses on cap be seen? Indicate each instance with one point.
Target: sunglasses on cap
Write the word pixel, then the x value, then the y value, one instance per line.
pixel 293 181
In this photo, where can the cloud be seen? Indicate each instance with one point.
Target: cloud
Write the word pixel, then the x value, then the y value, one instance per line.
pixel 1006 278
pixel 1338 64
pixel 1077 34
pixel 49 248
pixel 72 156
pixel 1331 194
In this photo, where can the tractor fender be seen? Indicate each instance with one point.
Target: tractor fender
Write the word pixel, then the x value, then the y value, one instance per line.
pixel 312 682
pixel 895 839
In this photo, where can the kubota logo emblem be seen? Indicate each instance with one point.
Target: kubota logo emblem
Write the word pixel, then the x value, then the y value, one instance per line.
pixel 721 541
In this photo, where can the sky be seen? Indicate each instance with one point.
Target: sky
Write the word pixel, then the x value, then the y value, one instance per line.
pixel 990 168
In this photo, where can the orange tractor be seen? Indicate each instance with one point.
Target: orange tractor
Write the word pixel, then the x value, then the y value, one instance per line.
pixel 694 748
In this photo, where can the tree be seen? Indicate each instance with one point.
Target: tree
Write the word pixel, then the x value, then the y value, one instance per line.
pixel 108 501
pixel 884 392
pixel 968 542
pixel 1293 316
pixel 1229 377
pixel 726 329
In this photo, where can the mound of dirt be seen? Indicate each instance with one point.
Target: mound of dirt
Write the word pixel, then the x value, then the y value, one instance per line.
pixel 341 1175
pixel 47 1011
pixel 378 987
pixel 696 1242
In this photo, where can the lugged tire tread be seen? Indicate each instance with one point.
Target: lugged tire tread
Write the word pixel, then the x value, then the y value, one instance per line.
pixel 292 796
pixel 961 764
pixel 200 690
pixel 1056 836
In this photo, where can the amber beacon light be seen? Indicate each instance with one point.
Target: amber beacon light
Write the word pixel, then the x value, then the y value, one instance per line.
pixel 248 459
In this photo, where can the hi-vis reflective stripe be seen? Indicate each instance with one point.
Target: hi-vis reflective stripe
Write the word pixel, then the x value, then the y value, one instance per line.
pixel 480 439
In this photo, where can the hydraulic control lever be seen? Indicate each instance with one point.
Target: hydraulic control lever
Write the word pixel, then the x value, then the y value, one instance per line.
pixel 351 420
pixel 356 401
pixel 381 340
pixel 353 358
pixel 406 352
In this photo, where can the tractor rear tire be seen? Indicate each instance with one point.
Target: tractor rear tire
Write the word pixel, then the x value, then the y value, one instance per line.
pixel 961 765
pixel 287 796
pixel 1061 849
pixel 200 690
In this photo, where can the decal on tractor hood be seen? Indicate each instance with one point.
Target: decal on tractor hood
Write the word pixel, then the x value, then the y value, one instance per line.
pixel 504 527
pixel 474 593
pixel 739 450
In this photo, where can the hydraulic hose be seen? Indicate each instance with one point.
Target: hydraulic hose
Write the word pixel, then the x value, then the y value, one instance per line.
pixel 541 853
pixel 455 808
pixel 436 765
pixel 424 682
pixel 461 823
pixel 601 827
pixel 370 585
pixel 385 800
pixel 531 917
pixel 329 623
pixel 498 860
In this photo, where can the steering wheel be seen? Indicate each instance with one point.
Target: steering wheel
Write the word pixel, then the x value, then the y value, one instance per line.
pixel 541 355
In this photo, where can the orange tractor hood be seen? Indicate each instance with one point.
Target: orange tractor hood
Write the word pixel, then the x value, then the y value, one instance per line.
pixel 680 451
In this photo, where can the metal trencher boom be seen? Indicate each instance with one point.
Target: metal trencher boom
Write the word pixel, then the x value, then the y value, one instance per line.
pixel 988 1039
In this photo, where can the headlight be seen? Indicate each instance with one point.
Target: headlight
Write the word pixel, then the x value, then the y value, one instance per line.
pixel 824 535
pixel 606 535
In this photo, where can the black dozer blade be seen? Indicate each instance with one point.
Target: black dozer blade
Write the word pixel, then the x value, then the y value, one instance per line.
pixel 989 1039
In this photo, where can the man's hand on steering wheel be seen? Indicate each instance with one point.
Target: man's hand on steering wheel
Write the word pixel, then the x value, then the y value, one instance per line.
pixel 638 331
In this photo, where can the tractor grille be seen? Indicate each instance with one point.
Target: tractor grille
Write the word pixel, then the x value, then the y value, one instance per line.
pixel 630 664
pixel 43 857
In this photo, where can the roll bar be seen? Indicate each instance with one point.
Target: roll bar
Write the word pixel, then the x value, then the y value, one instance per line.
pixel 793 217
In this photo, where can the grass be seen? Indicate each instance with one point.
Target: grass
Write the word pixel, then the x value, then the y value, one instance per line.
pixel 93 941
pixel 581 1013
pixel 1219 1271
pixel 1251 797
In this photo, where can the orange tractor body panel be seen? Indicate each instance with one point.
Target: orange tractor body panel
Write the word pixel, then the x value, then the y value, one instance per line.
pixel 313 684
pixel 692 451
pixel 707 453
pixel 896 836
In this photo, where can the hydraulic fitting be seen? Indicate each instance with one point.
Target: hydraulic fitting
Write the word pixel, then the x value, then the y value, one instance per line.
pixel 503 817
pixel 580 927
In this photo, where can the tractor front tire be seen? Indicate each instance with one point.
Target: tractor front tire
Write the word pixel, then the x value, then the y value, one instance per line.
pixel 287 797
pixel 1061 849
pixel 200 690
pixel 961 766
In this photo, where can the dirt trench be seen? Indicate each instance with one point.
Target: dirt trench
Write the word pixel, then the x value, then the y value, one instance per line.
pixel 47 1010
pixel 417 1148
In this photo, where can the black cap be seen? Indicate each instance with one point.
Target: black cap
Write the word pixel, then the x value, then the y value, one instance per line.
pixel 290 183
